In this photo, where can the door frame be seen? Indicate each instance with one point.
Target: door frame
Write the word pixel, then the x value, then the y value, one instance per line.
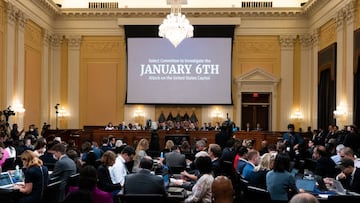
pixel 258 80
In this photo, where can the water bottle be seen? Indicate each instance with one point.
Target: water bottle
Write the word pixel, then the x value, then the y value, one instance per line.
pixel 165 173
pixel 17 174
pixel 162 155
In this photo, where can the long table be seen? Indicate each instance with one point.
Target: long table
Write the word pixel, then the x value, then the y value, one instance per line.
pixel 132 136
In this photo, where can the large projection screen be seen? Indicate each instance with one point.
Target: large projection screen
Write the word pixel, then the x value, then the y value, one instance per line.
pixel 197 71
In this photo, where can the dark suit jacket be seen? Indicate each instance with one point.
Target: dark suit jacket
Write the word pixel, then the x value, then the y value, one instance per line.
pixel 143 182
pixel 355 184
pixel 64 168
pixel 175 159
pixel 325 167
pixel 104 180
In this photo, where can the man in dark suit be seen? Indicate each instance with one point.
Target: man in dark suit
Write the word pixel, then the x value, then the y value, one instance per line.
pixel 144 182
pixel 64 167
pixel 175 160
pixel 325 166
pixel 350 175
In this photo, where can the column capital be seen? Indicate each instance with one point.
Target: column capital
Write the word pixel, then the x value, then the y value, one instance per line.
pixel 74 41
pixel 56 40
pixel 287 41
pixel 315 37
pixel 11 13
pixel 350 12
pixel 305 40
pixel 340 18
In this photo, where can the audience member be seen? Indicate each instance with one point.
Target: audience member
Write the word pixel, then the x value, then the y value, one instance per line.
pixel 168 145
pixel 119 170
pixel 325 166
pixel 144 182
pixel 304 198
pixel 36 178
pixel 253 160
pixel 279 182
pixel 64 167
pixel 258 176
pixel 350 175
pixel 104 182
pixel 175 160
pixel 337 158
pixel 214 151
pixel 292 140
pixel 222 190
pixel 88 189
pixel 201 192
pixel 240 159
pixel 140 153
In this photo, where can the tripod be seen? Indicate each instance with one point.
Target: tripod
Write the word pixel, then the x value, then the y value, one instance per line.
pixel 57 115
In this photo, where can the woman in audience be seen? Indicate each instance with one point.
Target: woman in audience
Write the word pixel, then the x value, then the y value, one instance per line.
pixel 36 178
pixel 4 154
pixel 168 145
pixel 104 182
pixel 40 146
pixel 258 176
pixel 201 192
pixel 87 188
pixel 140 153
pixel 279 180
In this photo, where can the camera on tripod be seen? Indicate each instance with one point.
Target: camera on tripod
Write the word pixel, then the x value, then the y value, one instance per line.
pixel 8 112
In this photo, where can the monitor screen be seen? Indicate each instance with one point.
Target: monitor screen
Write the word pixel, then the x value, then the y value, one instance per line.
pixel 197 71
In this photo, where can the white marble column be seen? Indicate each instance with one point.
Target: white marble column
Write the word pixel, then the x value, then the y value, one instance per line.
pixel 349 58
pixel 306 85
pixel 55 76
pixel 10 49
pixel 73 80
pixel 314 78
pixel 287 79
pixel 45 76
pixel 340 62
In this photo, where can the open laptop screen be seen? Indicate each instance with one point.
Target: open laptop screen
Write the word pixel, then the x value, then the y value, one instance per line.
pixel 5 180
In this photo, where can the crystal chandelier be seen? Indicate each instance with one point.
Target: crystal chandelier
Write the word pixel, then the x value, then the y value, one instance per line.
pixel 175 26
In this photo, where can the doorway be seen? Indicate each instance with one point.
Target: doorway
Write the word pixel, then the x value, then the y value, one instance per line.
pixel 255 110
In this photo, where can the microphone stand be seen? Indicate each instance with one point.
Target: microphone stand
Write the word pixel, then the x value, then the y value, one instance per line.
pixel 57 115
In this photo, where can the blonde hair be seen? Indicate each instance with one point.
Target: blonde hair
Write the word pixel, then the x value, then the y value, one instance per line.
pixel 264 163
pixel 142 145
pixel 169 144
pixel 31 159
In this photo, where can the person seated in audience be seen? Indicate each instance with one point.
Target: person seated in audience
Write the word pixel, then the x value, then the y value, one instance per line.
pixel 88 188
pixel 337 158
pixel 168 145
pixel 200 145
pixel 105 147
pixel 222 190
pixel 144 182
pixel 40 146
pixel 201 192
pixel 36 178
pixel 350 175
pixel 325 166
pixel 264 147
pixel 175 160
pixel 140 153
pixel 64 167
pixel 103 173
pixel 214 151
pixel 347 152
pixel 88 157
pixel 110 126
pixel 258 176
pixel 304 198
pixel 4 154
pixel 253 160
pixel 279 181
pixel 72 154
pixel 119 170
pixel 122 126
pixel 186 149
pixel 240 159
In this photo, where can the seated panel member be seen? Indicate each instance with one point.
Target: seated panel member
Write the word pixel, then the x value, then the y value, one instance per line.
pixel 350 175
pixel 144 182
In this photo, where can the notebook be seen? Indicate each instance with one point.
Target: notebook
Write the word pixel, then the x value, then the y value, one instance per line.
pixel 307 185
pixel 6 182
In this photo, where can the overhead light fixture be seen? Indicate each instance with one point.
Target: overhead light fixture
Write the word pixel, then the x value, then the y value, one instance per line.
pixel 176 27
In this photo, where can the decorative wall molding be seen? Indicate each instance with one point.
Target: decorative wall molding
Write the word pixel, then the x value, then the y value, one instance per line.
pixel 305 40
pixel 74 41
pixel 287 41
pixel 102 48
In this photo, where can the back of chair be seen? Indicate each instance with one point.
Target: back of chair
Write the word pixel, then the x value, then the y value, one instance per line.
pixel 137 198
pixel 6 195
pixel 256 195
pixel 51 193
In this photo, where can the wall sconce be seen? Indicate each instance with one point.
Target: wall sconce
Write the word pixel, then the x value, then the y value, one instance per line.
pixel 297 115
pixel 217 115
pixel 63 113
pixel 139 115
pixel 18 107
pixel 340 111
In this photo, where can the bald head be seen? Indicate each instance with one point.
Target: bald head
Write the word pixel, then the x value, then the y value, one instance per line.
pixel 304 198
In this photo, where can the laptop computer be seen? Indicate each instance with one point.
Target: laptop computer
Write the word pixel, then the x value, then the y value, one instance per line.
pixel 305 184
pixel 6 182
pixel 338 187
